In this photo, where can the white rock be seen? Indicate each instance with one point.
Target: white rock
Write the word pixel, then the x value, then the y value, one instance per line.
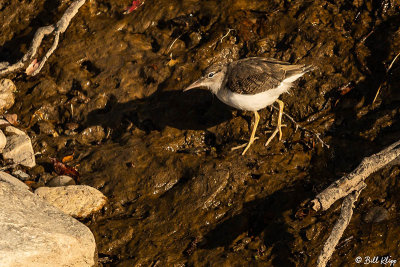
pixel 7 89
pixel 61 180
pixel 19 147
pixel 21 175
pixel 4 122
pixel 5 177
pixel 76 200
pixel 34 233
pixel 3 141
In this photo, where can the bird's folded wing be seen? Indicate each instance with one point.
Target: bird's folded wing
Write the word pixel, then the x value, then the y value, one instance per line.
pixel 256 75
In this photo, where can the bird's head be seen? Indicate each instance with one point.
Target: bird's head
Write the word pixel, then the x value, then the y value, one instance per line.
pixel 212 80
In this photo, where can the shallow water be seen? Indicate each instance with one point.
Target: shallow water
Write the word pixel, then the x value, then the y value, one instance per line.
pixel 177 194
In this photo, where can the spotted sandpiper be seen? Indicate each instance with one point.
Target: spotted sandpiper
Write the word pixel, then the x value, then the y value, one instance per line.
pixel 251 84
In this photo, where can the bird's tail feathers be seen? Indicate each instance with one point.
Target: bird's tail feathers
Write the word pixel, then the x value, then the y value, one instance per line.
pixel 296 71
pixel 307 68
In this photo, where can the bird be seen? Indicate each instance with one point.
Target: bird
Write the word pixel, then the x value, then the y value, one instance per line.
pixel 251 84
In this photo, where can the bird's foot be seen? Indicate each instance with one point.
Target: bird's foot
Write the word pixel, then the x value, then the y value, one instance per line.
pixel 247 145
pixel 278 128
pixel 274 133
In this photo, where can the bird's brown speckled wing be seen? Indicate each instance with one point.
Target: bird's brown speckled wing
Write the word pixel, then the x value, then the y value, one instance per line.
pixel 256 75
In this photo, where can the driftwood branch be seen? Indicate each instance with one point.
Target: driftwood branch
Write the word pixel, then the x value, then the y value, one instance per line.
pixel 340 225
pixel 347 184
pixel 349 187
pixel 56 29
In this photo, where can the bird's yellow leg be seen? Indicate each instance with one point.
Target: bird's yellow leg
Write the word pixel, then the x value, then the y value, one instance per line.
pixel 252 137
pixel 279 126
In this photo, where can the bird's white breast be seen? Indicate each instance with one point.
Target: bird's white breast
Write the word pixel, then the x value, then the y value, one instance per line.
pixel 252 102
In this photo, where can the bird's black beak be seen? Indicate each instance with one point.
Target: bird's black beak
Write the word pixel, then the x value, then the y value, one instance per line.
pixel 200 83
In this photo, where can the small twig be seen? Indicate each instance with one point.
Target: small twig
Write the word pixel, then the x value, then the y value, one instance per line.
pixel 347 184
pixel 223 37
pixel 391 64
pixel 340 225
pixel 56 29
pixel 387 72
pixel 172 44
pixel 366 37
pixel 298 126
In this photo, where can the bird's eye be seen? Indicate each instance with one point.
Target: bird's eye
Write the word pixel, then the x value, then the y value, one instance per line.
pixel 211 74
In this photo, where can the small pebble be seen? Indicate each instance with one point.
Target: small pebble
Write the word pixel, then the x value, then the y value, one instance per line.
pixel 91 134
pixel 61 180
pixel 21 175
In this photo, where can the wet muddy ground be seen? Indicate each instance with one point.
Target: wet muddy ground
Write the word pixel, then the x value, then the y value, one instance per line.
pixel 178 196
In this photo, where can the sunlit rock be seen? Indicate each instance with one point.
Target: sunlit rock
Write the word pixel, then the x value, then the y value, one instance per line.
pixel 5 177
pixel 76 200
pixel 34 233
pixel 3 141
pixel 19 147
pixel 7 89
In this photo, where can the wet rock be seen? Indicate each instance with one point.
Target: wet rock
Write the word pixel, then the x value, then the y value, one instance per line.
pixel 7 89
pixel 71 126
pixel 35 233
pixel 62 180
pixel 91 134
pixel 21 175
pixel 3 141
pixel 47 128
pixel 46 88
pixel 99 102
pixel 206 189
pixel 5 177
pixel 76 200
pixel 19 147
pixel 376 215
pixel 48 112
pixel 195 38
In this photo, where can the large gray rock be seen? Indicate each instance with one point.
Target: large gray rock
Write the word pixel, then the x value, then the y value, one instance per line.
pixel 7 89
pixel 34 233
pixel 19 147
pixel 3 141
pixel 5 177
pixel 79 201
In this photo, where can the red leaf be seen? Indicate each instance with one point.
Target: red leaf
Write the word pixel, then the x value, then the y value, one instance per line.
pixel 32 67
pixel 62 169
pixel 134 6
pixel 11 118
